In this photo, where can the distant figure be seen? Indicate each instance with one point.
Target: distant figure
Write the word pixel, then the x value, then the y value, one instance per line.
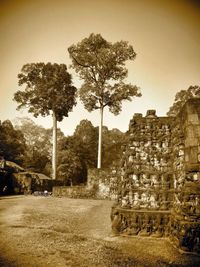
pixel 45 193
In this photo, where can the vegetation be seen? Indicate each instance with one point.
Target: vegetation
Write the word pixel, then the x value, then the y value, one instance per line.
pixel 84 143
pixel 29 145
pixel 12 143
pixel 181 98
pixel 38 145
pixel 72 169
pixel 112 147
pixel 101 65
pixel 48 89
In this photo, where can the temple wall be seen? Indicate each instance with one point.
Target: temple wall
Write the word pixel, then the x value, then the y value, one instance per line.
pixel 185 214
pixel 146 178
pixel 160 180
pixel 146 164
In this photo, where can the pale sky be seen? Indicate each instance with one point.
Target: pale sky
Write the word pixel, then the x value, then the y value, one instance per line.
pixel 164 34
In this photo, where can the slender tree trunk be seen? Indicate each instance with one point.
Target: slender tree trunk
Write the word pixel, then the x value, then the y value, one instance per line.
pixel 100 139
pixel 54 154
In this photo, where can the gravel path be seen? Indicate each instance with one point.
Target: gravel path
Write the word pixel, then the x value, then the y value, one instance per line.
pixel 59 232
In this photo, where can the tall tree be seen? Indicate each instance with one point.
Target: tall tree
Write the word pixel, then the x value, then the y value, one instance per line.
pixel 48 89
pixel 101 65
pixel 181 97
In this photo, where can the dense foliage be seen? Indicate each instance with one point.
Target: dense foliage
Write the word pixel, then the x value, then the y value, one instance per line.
pixel 48 88
pixel 71 169
pixel 113 140
pixel 38 145
pixel 12 143
pixel 30 145
pixel 84 143
pixel 181 98
pixel 101 65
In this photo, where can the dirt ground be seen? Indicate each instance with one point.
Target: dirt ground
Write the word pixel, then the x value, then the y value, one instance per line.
pixel 59 232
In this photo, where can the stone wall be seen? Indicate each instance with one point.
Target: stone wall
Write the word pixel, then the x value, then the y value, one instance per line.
pixel 101 184
pixel 160 181
pixel 72 191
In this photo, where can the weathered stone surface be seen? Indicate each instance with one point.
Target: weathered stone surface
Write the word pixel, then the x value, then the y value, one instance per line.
pixel 72 191
pixel 101 184
pixel 160 178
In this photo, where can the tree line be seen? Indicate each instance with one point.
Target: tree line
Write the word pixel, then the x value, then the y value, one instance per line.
pixel 30 145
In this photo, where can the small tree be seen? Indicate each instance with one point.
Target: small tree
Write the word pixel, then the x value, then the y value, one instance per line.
pixel 48 89
pixel 182 97
pixel 101 65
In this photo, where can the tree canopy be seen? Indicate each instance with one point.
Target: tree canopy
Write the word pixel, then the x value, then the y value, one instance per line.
pixel 71 169
pixel 36 136
pixel 112 147
pixel 48 88
pixel 182 97
pixel 12 143
pixel 38 145
pixel 84 144
pixel 101 65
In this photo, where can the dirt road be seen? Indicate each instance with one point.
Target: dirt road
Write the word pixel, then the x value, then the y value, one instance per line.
pixel 59 232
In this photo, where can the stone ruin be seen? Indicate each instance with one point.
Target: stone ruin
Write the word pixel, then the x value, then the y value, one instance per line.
pixel 159 191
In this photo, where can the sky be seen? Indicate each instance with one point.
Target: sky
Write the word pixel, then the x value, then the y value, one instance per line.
pixel 165 34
